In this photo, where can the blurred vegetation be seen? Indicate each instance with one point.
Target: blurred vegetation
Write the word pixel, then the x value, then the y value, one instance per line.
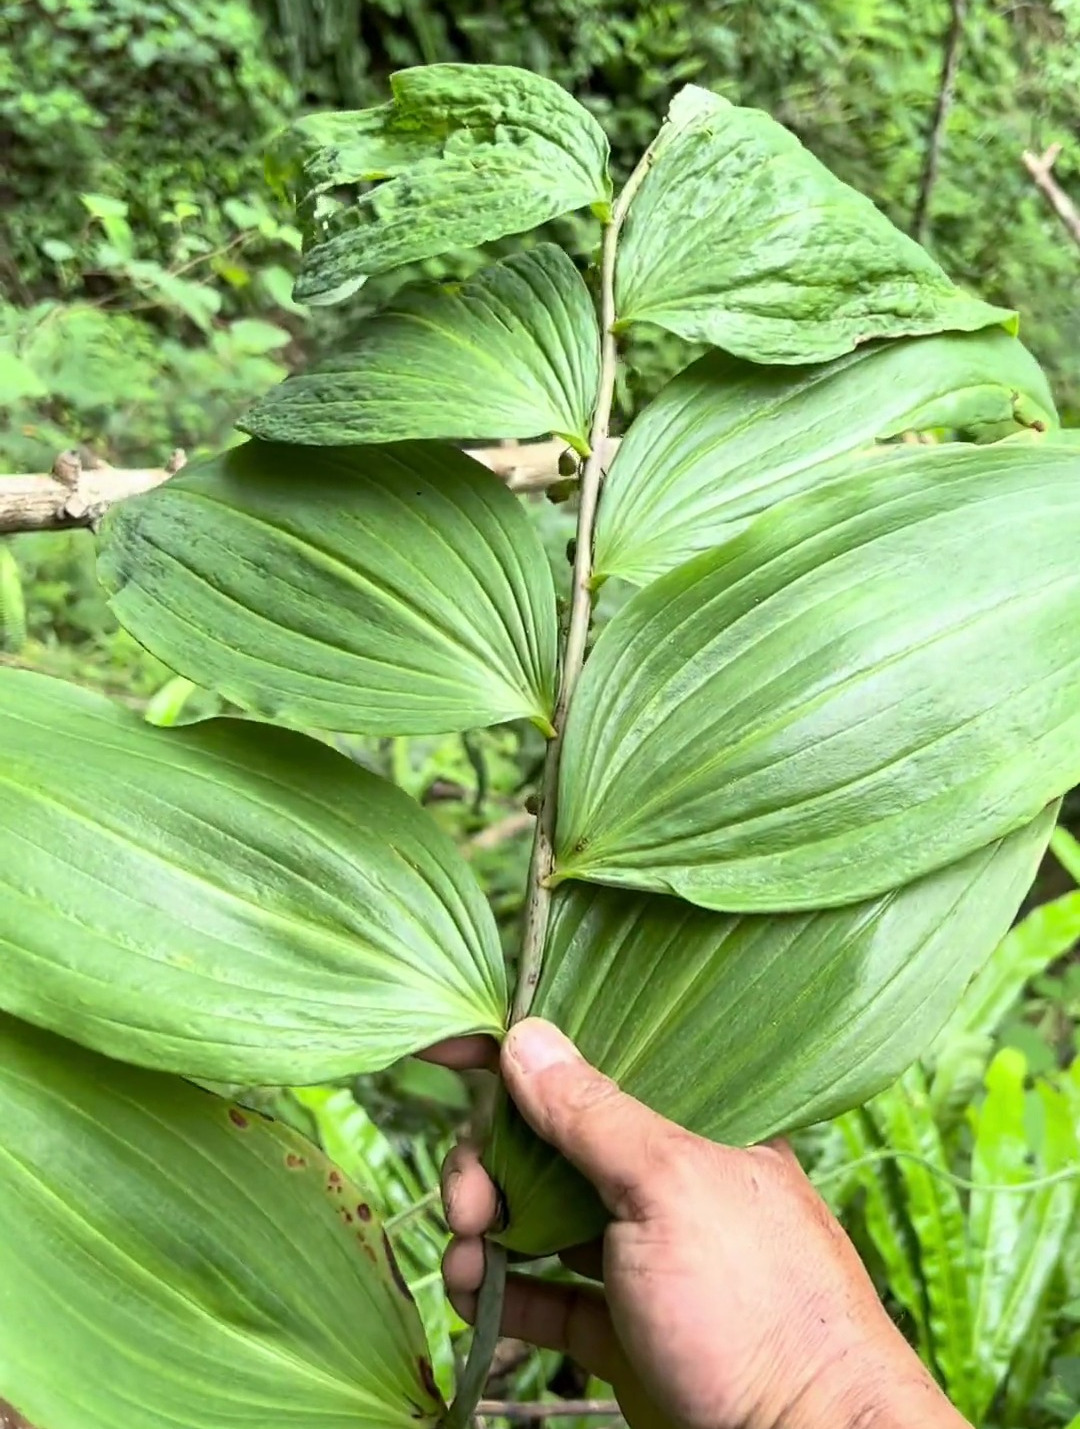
pixel 145 299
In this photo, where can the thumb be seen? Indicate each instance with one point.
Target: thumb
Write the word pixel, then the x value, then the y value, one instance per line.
pixel 610 1137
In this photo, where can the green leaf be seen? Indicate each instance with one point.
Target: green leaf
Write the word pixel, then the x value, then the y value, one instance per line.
pixel 1066 850
pixel 1017 1238
pixel 740 238
pixel 513 352
pixel 381 590
pixel 871 681
pixel 906 1124
pixel 785 1020
pixel 886 1221
pixel 18 380
pixel 462 154
pixel 725 440
pixel 256 335
pixel 1046 934
pixel 228 901
pixel 409 1206
pixel 180 1262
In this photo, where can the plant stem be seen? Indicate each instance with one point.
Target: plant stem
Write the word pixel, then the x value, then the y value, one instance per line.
pixel 542 863
pixel 485 1337
pixel 538 893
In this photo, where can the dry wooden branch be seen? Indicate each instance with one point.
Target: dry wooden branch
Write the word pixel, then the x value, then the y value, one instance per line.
pixel 74 494
pixel 950 65
pixel 1039 167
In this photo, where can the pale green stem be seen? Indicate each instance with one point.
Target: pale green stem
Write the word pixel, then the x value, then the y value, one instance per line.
pixel 538 892
pixel 542 863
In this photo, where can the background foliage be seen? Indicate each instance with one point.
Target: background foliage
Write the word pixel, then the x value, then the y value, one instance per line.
pixel 145 299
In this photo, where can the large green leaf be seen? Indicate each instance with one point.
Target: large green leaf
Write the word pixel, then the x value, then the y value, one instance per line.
pixel 513 352
pixel 740 238
pixel 228 901
pixel 871 681
pixel 726 439
pixel 387 590
pixel 461 154
pixel 743 1028
pixel 170 1261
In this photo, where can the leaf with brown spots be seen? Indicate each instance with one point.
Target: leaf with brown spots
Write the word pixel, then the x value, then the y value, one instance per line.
pixel 174 1274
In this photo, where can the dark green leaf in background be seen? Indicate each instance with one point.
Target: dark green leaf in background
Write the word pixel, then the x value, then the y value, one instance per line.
pixel 871 681
pixel 744 1028
pixel 170 1261
pixel 726 439
pixel 461 154
pixel 740 238
pixel 383 590
pixel 228 901
pixel 514 352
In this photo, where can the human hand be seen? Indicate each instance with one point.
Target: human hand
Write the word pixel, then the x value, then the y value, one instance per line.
pixel 732 1299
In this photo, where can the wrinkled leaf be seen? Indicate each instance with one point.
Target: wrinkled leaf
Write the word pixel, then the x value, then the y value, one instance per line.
pixel 725 440
pixel 381 590
pixel 514 352
pixel 785 1020
pixel 172 1262
pixel 461 154
pixel 228 901
pixel 740 238
pixel 871 681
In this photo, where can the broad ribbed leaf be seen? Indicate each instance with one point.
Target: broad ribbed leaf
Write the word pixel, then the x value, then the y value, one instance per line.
pixel 228 901
pixel 871 681
pixel 726 439
pixel 170 1261
pixel 513 352
pixel 785 1020
pixel 461 154
pixel 740 238
pixel 384 590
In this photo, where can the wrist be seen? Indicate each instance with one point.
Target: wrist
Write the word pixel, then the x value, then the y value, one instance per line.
pixel 876 1383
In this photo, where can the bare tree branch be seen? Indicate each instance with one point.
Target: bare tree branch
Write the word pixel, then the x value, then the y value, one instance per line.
pixel 950 66
pixel 74 494
pixel 1039 167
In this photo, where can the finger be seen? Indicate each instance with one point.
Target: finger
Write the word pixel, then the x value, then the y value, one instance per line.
pixel 463 1054
pixel 618 1143
pixel 572 1319
pixel 469 1197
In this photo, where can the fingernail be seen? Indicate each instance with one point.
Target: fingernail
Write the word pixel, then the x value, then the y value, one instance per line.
pixel 536 1045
